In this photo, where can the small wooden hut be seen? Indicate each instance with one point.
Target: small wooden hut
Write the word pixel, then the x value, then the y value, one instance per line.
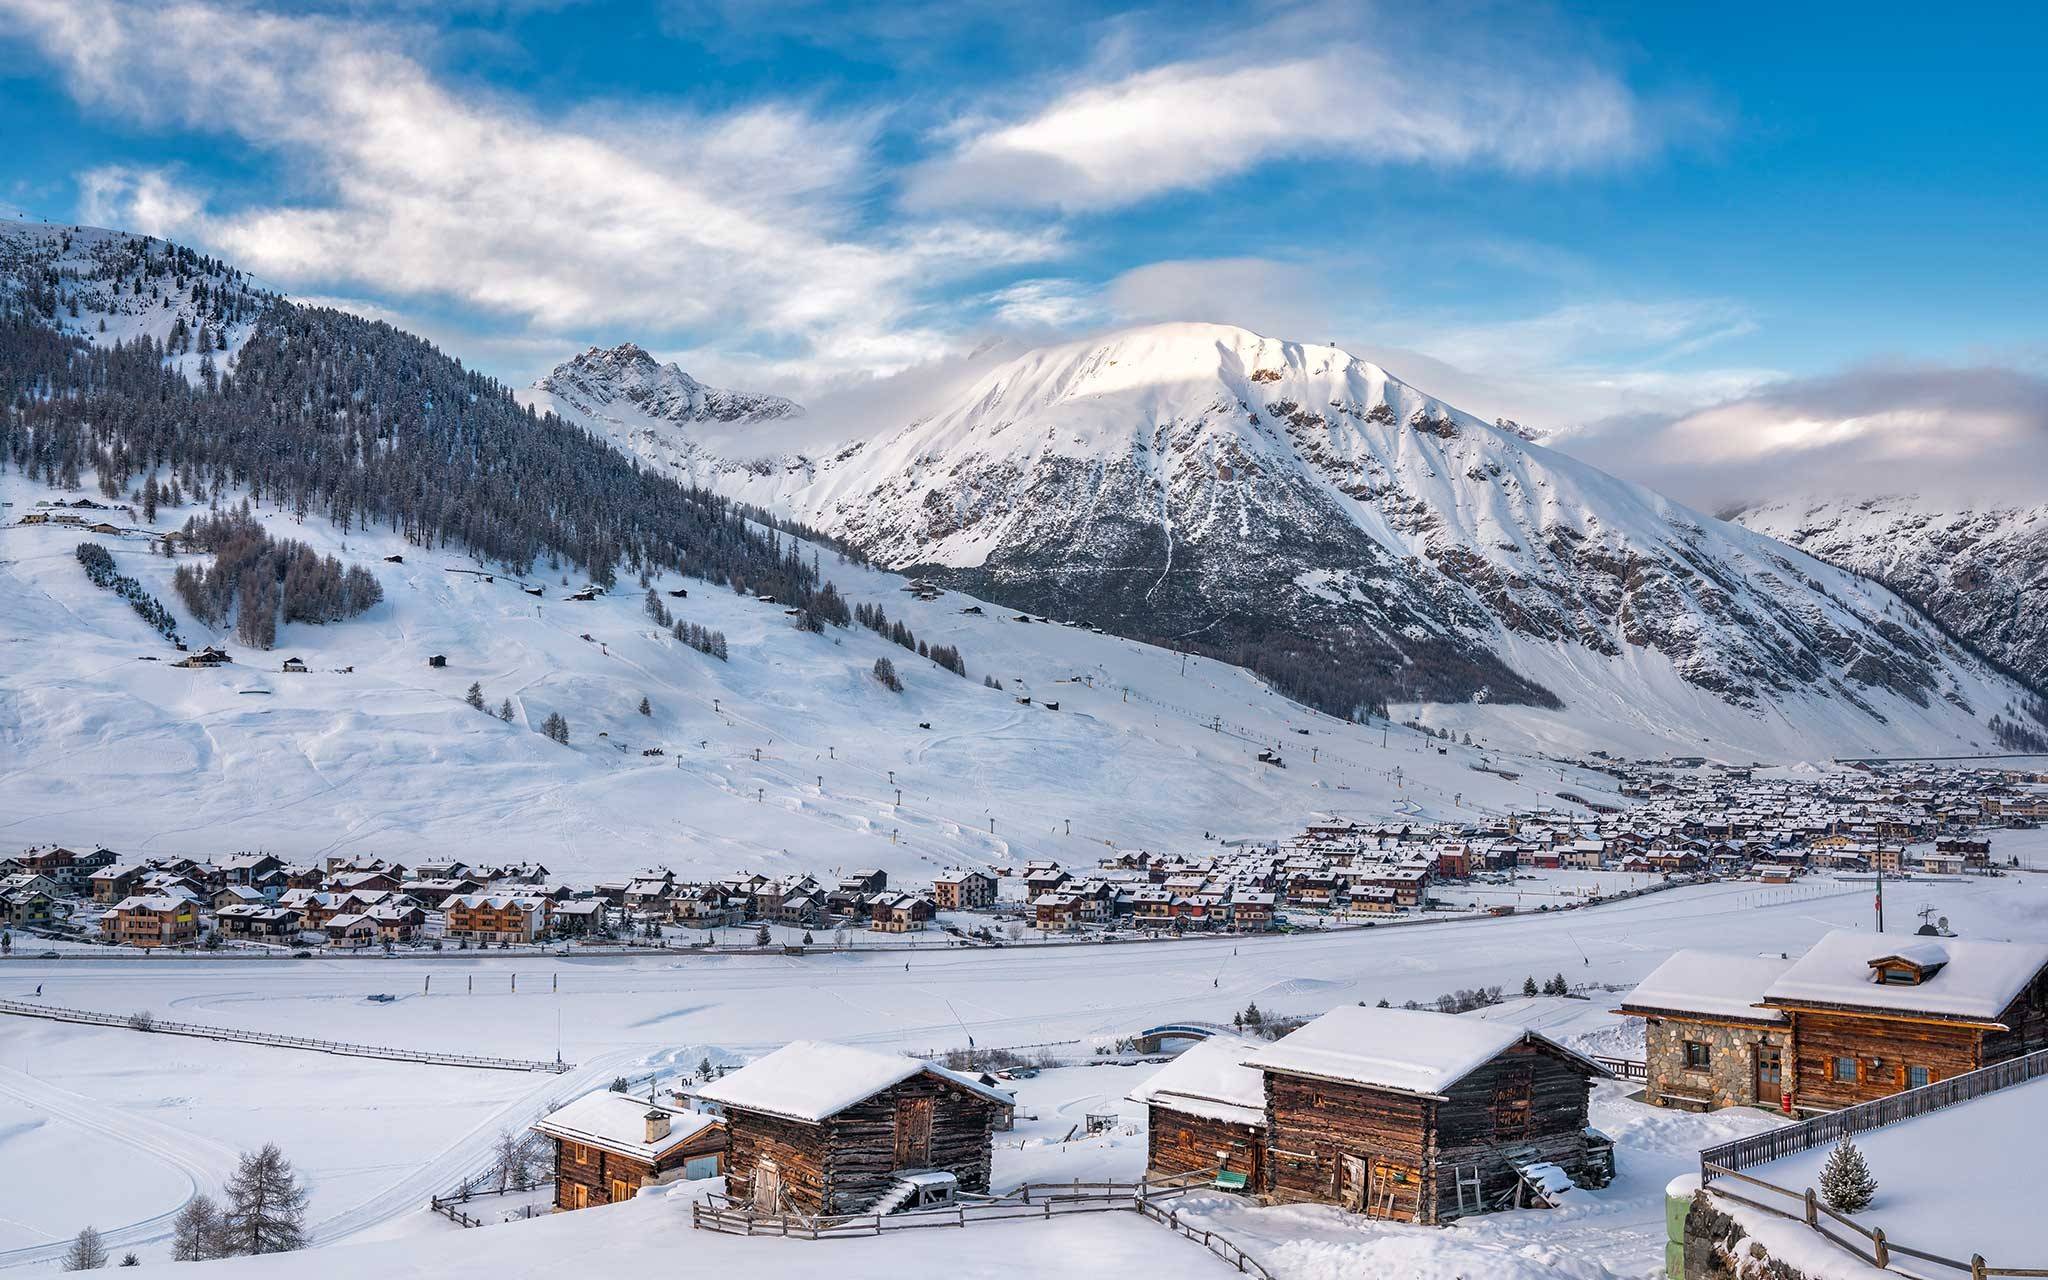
pixel 1207 1114
pixel 822 1128
pixel 1426 1117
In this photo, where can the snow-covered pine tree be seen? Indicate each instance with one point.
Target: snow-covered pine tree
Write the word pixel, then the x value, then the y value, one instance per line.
pixel 266 1205
pixel 475 696
pixel 1846 1183
pixel 87 1253
pixel 1529 985
pixel 505 711
pixel 646 707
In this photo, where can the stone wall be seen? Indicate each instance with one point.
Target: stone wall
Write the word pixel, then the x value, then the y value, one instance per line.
pixel 1730 1077
pixel 1716 1248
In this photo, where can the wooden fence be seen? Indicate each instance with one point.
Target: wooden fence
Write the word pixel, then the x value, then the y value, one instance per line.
pixel 1824 1130
pixel 1039 1201
pixel 1869 1244
pixel 1624 1068
pixel 148 1023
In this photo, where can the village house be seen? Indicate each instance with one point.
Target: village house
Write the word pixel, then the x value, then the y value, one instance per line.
pixel 964 891
pixel 490 917
pixel 1862 1017
pixel 901 913
pixel 1425 1117
pixel 1207 1114
pixel 153 921
pixel 609 1146
pixel 257 921
pixel 1707 1042
pixel 820 1128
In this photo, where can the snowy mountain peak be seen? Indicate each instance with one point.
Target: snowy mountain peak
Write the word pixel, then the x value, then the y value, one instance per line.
pixel 628 387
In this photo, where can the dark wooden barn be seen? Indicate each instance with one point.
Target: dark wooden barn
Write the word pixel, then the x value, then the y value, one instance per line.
pixel 822 1128
pixel 610 1145
pixel 1425 1117
pixel 1206 1114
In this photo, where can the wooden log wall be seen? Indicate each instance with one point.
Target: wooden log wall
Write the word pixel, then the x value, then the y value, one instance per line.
pixel 1528 1099
pixel 861 1142
pixel 1883 1049
pixel 1312 1125
pixel 798 1151
pixel 594 1168
pixel 1177 1142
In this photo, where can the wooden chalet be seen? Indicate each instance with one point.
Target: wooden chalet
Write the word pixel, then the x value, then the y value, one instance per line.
pixel 608 1146
pixel 901 913
pixel 1425 1117
pixel 1207 1114
pixel 148 921
pixel 1874 1015
pixel 1707 1042
pixel 820 1128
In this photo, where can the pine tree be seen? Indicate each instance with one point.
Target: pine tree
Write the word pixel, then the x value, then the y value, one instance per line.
pixel 885 671
pixel 266 1205
pixel 505 711
pixel 1845 1180
pixel 87 1253
pixel 1529 985
pixel 646 707
pixel 475 696
pixel 762 937
pixel 195 1232
pixel 130 1260
pixel 1252 1016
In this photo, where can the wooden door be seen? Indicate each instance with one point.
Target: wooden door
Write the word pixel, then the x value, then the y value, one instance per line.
pixel 1770 1075
pixel 767 1187
pixel 913 1133
pixel 1512 1099
pixel 621 1190
pixel 579 1196
pixel 1351 1192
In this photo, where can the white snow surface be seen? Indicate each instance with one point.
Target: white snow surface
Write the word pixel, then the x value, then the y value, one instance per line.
pixel 1210 1080
pixel 1720 984
pixel 813 1080
pixel 618 1122
pixel 1407 1050
pixel 1980 979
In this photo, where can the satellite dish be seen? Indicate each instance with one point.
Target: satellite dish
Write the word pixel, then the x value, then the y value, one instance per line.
pixel 1942 924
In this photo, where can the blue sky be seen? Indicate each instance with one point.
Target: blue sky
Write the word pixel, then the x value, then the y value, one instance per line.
pixel 1573 215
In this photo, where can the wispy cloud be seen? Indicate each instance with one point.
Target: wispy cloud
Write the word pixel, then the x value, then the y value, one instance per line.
pixel 746 221
pixel 1300 93
pixel 1955 433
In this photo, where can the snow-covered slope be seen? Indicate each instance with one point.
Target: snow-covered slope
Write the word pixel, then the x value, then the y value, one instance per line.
pixel 730 440
pixel 1981 568
pixel 788 756
pixel 1310 513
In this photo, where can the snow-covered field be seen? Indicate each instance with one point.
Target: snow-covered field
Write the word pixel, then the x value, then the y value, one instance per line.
pixel 97 745
pixel 377 1138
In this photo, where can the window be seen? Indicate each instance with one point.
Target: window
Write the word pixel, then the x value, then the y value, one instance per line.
pixel 1697 1056
pixel 1903 977
pixel 1845 1071
pixel 1918 1077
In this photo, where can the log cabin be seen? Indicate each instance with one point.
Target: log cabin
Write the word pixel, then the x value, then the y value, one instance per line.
pixel 1207 1114
pixel 820 1128
pixel 1425 1117
pixel 608 1146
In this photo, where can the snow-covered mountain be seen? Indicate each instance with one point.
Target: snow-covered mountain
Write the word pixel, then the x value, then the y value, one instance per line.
pixel 1981 568
pixel 660 414
pixel 1303 511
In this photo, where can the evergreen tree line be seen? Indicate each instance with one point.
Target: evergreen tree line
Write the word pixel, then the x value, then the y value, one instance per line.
pixel 99 566
pixel 876 619
pixel 327 414
pixel 703 639
pixel 256 577
pixel 2016 734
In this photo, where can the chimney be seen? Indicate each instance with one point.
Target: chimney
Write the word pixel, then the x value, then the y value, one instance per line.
pixel 657 1125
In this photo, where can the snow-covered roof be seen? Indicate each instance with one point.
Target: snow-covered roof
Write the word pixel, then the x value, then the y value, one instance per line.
pixel 618 1122
pixel 1405 1050
pixel 1975 979
pixel 1721 984
pixel 812 1080
pixel 1210 1080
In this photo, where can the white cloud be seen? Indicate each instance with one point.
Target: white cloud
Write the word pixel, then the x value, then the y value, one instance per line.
pixel 1188 124
pixel 746 222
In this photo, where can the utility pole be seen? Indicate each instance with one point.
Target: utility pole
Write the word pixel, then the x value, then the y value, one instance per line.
pixel 1880 896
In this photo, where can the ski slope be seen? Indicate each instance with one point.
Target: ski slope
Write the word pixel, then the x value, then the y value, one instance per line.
pixel 790 756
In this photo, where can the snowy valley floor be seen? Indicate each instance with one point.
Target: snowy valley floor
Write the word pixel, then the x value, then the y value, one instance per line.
pixel 149 1119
